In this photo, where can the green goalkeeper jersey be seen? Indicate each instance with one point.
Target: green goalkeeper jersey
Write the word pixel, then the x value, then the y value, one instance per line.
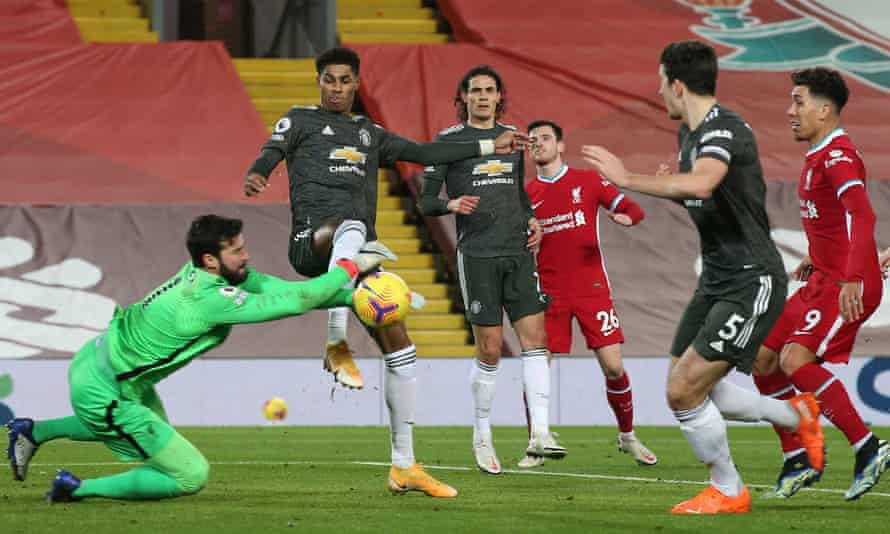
pixel 194 311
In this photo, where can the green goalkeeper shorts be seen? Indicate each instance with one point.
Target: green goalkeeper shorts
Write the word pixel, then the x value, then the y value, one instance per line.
pixel 133 430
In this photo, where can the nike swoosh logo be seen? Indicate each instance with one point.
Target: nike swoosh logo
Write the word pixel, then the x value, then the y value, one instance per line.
pixel 536 204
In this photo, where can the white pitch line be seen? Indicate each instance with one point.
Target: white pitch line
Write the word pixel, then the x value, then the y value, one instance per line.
pixel 615 477
pixel 589 476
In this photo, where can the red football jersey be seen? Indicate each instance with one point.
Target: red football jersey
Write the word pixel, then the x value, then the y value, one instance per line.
pixel 832 168
pixel 566 205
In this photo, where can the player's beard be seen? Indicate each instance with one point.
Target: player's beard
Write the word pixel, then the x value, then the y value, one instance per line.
pixel 544 158
pixel 233 277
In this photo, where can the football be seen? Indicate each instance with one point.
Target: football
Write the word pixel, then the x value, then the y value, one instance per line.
pixel 275 409
pixel 382 299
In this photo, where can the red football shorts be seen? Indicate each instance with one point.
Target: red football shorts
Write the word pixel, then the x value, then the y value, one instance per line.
pixel 596 316
pixel 812 318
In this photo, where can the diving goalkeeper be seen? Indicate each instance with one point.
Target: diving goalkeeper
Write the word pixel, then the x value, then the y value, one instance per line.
pixel 112 377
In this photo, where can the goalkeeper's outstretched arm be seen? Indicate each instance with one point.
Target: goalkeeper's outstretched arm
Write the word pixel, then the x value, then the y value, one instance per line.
pixel 274 298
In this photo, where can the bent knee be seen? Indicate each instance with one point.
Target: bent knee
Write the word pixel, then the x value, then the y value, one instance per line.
pixel 682 397
pixel 195 475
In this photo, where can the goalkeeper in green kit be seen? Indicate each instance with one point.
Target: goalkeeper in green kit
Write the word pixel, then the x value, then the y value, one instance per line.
pixel 112 377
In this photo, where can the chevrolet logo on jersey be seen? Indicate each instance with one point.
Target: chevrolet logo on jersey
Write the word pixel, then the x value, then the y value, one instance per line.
pixel 348 153
pixel 493 167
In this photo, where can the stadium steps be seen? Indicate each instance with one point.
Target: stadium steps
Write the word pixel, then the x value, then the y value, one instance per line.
pixel 387 21
pixel 437 330
pixel 111 21
pixel 275 85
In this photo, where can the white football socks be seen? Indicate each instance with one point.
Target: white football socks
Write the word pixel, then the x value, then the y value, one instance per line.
pixel 400 391
pixel 740 404
pixel 348 239
pixel 536 381
pixel 482 380
pixel 705 430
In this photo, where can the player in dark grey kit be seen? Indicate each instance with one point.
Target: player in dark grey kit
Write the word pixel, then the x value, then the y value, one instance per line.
pixel 742 287
pixel 332 160
pixel 496 229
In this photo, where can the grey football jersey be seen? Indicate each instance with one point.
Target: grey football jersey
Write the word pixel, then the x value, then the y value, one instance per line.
pixel 733 225
pixel 498 226
pixel 332 163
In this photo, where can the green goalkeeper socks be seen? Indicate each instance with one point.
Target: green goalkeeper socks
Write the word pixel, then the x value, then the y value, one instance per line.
pixel 141 483
pixel 177 469
pixel 64 427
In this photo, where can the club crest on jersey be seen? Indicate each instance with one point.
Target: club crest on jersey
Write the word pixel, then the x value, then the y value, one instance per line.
pixel 576 195
pixel 808 209
pixel 493 167
pixel 282 125
pixel 348 153
pixel 365 137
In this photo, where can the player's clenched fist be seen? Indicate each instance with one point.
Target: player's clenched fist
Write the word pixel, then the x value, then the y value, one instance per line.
pixel 463 205
pixel 254 184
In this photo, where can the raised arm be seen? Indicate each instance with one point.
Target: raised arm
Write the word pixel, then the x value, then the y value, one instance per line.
pixel 707 173
pixel 395 148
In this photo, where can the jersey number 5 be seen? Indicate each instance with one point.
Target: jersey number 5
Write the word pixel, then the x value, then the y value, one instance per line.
pixel 731 327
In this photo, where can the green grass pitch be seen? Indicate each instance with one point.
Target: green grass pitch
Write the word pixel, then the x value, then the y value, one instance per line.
pixel 333 479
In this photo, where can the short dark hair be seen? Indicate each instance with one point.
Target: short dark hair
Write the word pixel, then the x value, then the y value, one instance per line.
pixel 464 86
pixel 824 82
pixel 207 234
pixel 557 129
pixel 338 56
pixel 693 63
